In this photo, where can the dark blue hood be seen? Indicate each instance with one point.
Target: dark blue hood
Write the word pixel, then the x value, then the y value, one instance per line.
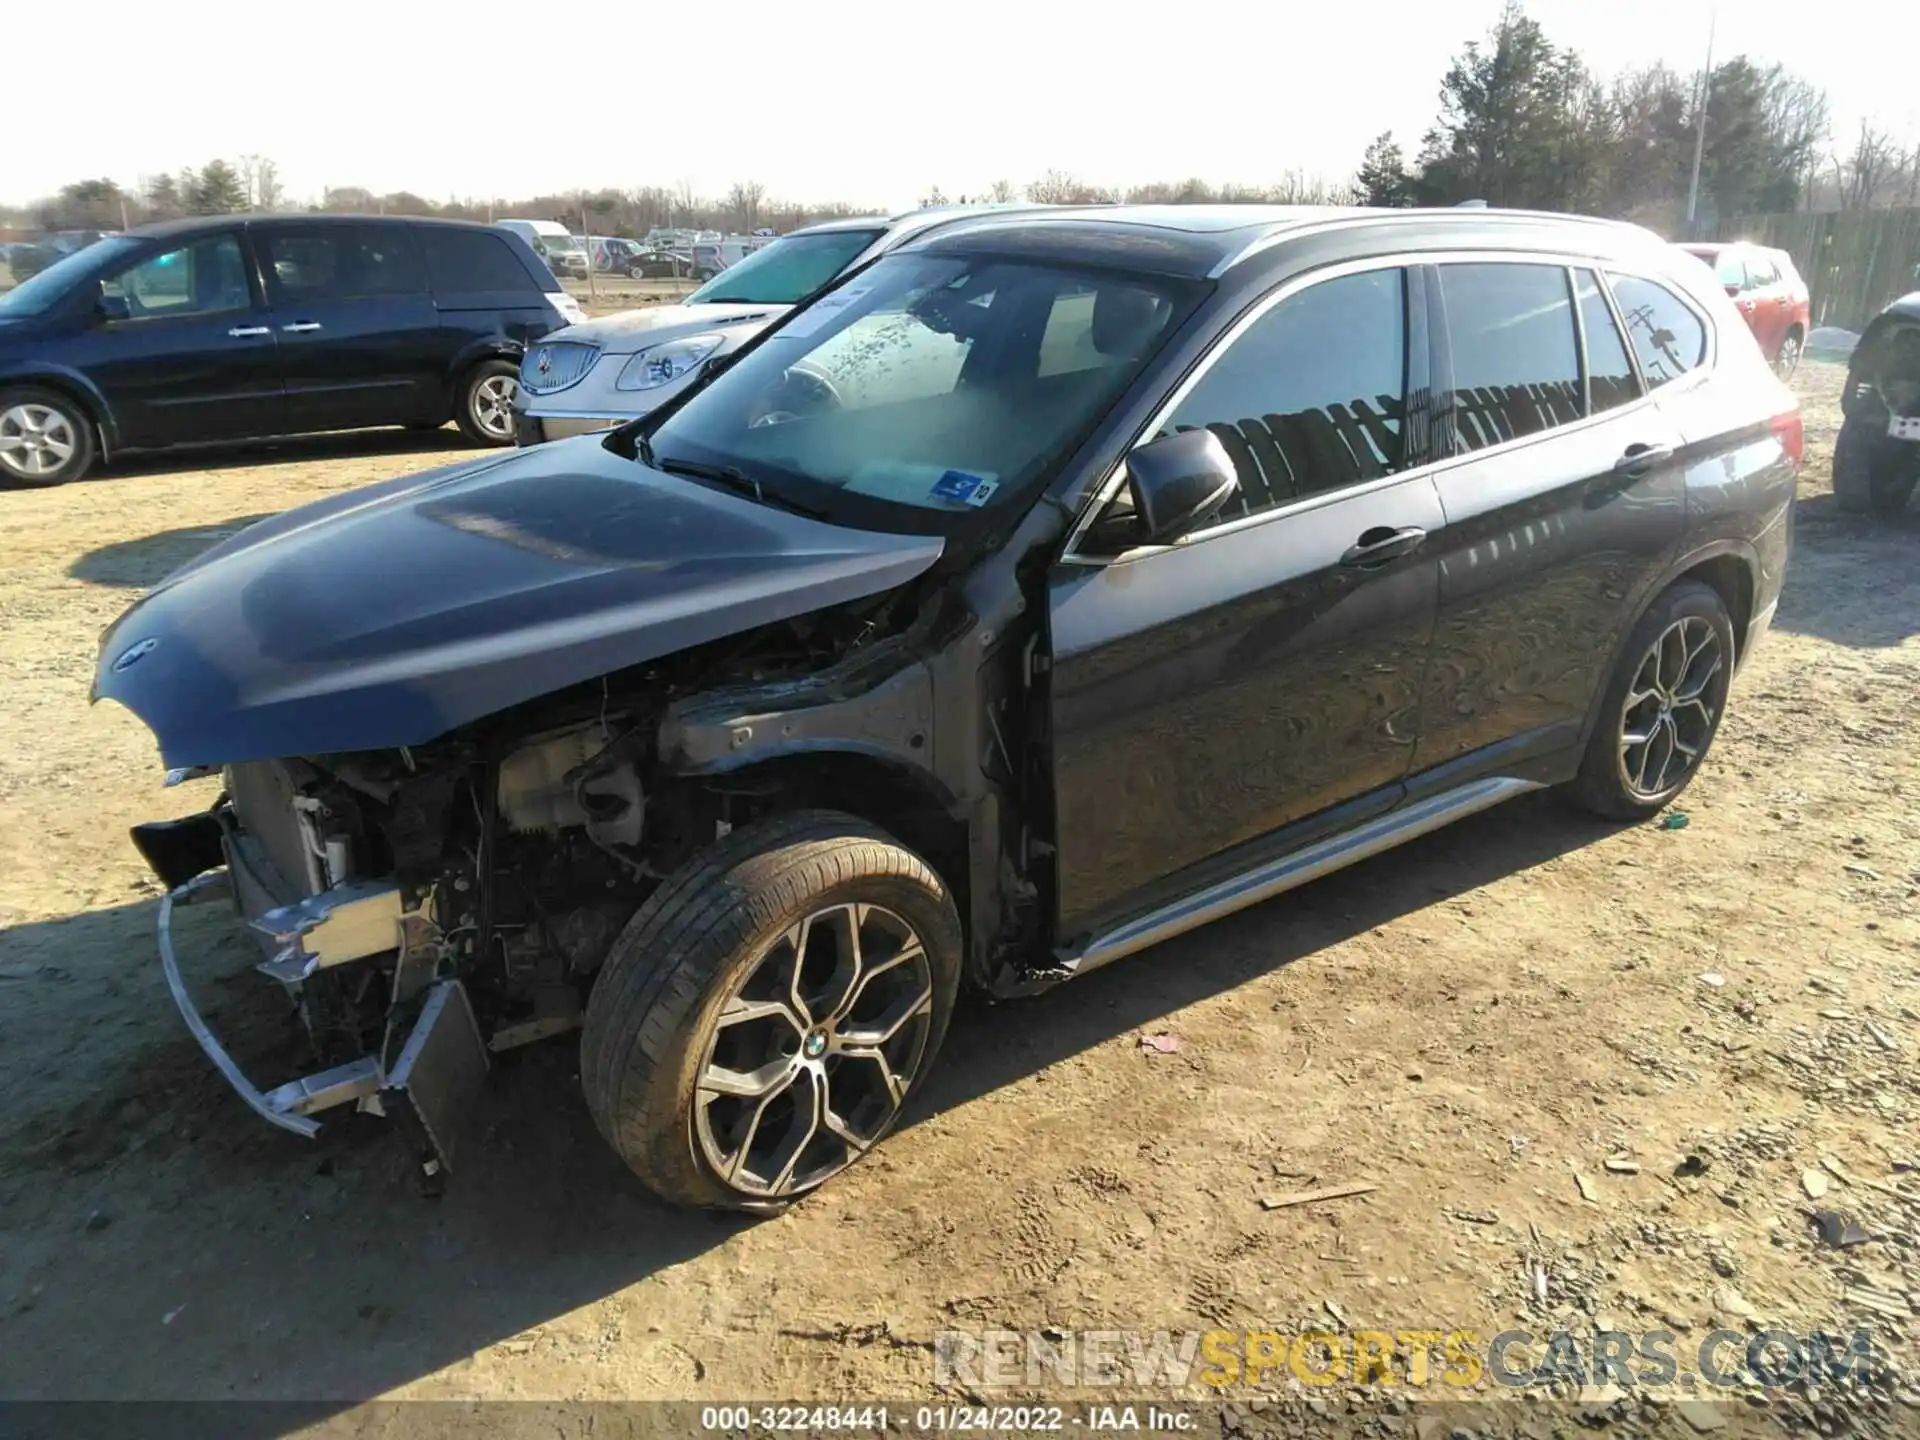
pixel 389 615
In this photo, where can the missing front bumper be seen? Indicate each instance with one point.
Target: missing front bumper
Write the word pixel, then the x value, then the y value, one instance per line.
pixel 433 1084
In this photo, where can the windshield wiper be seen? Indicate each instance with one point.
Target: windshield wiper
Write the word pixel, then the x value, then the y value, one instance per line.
pixel 736 479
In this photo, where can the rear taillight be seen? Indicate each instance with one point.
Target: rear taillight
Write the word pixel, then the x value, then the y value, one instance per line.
pixel 1789 430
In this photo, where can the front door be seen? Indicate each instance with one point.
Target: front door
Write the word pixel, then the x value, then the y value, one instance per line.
pixel 194 356
pixel 360 339
pixel 1219 694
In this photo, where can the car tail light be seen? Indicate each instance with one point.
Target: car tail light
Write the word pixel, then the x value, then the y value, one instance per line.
pixel 1790 431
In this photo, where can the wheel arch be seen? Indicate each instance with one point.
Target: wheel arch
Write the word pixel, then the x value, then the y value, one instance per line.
pixel 81 391
pixel 1727 567
pixel 905 801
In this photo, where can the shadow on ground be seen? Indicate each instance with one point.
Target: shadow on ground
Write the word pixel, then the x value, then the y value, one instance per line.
pixel 1852 579
pixel 286 450
pixel 138 564
pixel 246 1263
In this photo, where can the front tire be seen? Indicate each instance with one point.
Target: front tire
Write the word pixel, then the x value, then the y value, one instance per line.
pixel 1662 706
pixel 45 439
pixel 761 1021
pixel 484 411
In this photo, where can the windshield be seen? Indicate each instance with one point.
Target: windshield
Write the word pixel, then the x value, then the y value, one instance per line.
pixel 786 271
pixel 42 292
pixel 926 389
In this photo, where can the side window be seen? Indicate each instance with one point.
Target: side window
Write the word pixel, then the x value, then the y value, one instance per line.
pixel 471 261
pixel 1669 338
pixel 1761 271
pixel 1516 368
pixel 1731 270
pixel 1610 377
pixel 1312 396
pixel 340 262
pixel 203 278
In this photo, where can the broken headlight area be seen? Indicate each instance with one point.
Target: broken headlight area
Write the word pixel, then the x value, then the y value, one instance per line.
pixel 427 908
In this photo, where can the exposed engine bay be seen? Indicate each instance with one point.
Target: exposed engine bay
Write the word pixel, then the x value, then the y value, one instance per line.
pixel 507 857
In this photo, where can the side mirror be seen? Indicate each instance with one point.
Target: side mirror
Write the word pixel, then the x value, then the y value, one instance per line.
pixel 114 307
pixel 1734 290
pixel 1179 483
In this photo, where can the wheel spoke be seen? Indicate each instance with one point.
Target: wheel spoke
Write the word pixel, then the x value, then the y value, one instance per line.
pixel 763 1083
pixel 807 1119
pixel 1699 675
pixel 854 1039
pixel 874 1054
pixel 751 1131
pixel 739 1010
pixel 1659 756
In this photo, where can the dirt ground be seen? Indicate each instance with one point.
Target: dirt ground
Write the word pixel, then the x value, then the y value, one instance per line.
pixel 1475 1024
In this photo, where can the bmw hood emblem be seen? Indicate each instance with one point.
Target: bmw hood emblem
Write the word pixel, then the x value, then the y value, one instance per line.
pixel 134 654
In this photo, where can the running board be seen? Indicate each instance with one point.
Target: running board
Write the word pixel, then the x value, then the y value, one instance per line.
pixel 1276 877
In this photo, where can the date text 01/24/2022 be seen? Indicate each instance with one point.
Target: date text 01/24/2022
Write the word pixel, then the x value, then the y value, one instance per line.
pixel 975 1419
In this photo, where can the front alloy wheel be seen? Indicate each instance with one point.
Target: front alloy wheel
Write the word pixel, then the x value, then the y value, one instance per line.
pixel 44 439
pixel 815 1051
pixel 1669 715
pixel 763 1018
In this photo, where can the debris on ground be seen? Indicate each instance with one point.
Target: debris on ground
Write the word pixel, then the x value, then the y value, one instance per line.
pixel 1160 1044
pixel 1839 1229
pixel 1309 1197
pixel 1674 820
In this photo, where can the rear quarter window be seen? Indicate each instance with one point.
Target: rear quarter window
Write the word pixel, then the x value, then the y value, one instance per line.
pixel 1667 337
pixel 472 260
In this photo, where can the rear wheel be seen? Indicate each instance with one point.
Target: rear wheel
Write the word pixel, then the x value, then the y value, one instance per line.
pixel 763 1018
pixel 485 409
pixel 1787 359
pixel 45 439
pixel 1662 707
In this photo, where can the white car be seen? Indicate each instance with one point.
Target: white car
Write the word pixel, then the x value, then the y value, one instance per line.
pixel 605 372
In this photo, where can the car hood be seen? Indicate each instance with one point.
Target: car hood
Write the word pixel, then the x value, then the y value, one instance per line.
pixel 631 329
pixel 387 616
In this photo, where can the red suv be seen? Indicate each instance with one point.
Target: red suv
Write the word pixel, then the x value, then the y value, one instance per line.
pixel 1770 294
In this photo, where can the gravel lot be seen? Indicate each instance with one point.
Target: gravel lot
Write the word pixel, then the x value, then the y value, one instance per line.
pixel 1475 1024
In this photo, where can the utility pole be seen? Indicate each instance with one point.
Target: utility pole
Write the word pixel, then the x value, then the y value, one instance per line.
pixel 1700 132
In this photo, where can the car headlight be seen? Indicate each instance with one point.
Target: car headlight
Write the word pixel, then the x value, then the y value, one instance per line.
pixel 665 363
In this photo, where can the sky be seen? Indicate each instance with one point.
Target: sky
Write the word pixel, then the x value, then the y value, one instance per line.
pixel 872 103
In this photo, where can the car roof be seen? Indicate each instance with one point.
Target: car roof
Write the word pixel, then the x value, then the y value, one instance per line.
pixel 198 224
pixel 1202 241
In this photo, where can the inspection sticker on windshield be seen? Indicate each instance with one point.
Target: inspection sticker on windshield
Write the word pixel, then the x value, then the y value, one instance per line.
pixel 823 311
pixel 966 489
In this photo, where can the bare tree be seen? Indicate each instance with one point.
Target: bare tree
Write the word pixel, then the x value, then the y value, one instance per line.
pixel 743 203
pixel 1874 163
pixel 1001 192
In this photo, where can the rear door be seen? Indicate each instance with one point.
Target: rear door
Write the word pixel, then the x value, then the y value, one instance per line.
pixel 1261 677
pixel 1771 307
pixel 1564 503
pixel 195 359
pixel 359 339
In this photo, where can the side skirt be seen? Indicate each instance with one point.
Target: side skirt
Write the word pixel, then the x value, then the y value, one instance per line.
pixel 1275 877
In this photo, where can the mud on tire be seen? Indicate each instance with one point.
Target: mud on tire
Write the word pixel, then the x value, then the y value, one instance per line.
pixel 685 1014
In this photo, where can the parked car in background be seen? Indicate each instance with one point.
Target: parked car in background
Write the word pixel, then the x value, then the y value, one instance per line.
pixel 233 327
pixel 1876 458
pixel 1121 568
pixel 564 252
pixel 1771 297
pixel 604 372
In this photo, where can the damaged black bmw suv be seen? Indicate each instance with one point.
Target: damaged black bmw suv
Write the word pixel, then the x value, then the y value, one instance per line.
pixel 1048 588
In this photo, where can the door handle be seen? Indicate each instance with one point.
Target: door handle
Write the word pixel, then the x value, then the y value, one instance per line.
pixel 244 332
pixel 302 327
pixel 1639 459
pixel 1381 544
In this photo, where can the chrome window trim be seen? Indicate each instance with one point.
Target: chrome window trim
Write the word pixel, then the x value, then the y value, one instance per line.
pixel 1102 494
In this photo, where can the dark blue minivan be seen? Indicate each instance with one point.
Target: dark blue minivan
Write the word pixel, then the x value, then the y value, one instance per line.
pixel 234 327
